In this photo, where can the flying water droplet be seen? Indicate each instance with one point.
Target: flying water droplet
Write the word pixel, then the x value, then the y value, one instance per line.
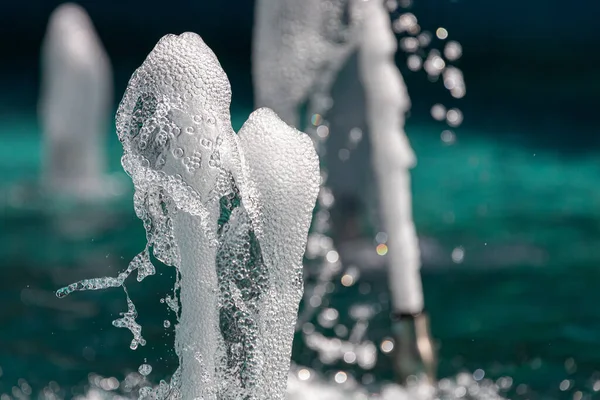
pixel 145 369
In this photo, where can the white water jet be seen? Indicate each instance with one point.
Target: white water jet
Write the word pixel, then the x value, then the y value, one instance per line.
pixel 387 102
pixel 74 107
pixel 369 33
pixel 391 154
pixel 230 212
pixel 298 48
pixel 291 49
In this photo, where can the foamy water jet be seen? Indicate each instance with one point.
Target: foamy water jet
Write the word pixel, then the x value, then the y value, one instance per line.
pixel 74 108
pixel 230 212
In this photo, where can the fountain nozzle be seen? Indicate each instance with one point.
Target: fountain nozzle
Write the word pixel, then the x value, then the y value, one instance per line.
pixel 414 354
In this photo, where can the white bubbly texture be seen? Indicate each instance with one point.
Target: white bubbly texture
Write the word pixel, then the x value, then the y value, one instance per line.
pixel 74 104
pixel 298 49
pixel 391 154
pixel 230 212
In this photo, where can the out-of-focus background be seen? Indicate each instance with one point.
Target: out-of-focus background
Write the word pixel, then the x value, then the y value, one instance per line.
pixel 507 209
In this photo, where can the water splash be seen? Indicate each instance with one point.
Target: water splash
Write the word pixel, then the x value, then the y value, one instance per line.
pixel 145 369
pixel 230 212
pixel 128 321
pixel 298 49
pixel 307 384
pixel 144 266
pixel 75 102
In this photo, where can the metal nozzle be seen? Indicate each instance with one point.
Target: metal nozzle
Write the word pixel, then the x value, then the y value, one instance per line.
pixel 414 354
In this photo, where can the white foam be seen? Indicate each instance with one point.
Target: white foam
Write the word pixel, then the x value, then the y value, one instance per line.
pixel 230 213
pixel 391 154
pixel 299 47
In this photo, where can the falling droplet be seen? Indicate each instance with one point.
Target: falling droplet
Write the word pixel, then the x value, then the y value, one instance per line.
pixel 145 369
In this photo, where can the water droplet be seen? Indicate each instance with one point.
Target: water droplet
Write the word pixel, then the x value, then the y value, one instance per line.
pixel 453 51
pixel 406 22
pixel 344 154
pixel 441 33
pixel 322 131
pixel 409 44
pixel 438 112
pixel 145 369
pixel 414 62
pixel 341 377
pixel 454 117
pixel 448 137
pixel 356 135
pixel 458 255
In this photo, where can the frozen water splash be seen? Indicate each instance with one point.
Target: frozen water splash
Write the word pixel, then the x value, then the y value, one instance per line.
pixel 230 212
